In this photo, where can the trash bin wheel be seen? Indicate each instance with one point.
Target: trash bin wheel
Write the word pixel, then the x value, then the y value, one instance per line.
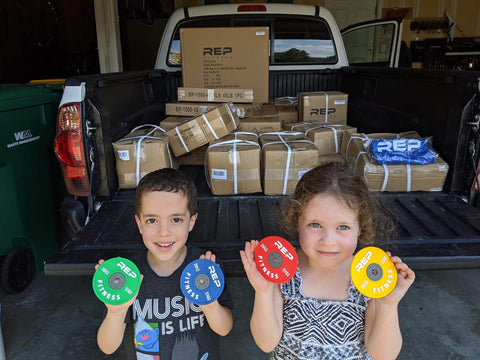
pixel 17 270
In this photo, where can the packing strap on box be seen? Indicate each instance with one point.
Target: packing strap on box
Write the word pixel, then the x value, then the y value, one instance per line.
pixel 362 137
pixel 286 100
pixel 234 143
pixel 386 173
pixel 230 109
pixel 141 138
pixel 284 141
pixel 333 127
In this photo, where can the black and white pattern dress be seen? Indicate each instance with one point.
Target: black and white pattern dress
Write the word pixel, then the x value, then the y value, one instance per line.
pixel 321 329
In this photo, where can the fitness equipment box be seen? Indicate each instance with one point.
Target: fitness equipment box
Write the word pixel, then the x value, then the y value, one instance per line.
pixel 140 152
pixel 261 118
pixel 430 177
pixel 327 137
pixel 286 157
pixel 195 132
pixel 215 95
pixel 222 58
pixel 324 106
pixel 233 164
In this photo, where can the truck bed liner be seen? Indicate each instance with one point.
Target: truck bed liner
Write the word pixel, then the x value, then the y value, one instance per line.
pixel 435 230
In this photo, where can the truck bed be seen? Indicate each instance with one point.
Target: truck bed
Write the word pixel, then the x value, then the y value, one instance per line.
pixel 435 230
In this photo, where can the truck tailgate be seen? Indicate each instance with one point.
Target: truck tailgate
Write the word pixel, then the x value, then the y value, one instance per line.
pixel 435 230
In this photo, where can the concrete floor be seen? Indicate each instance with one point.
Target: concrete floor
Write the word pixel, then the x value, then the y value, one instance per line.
pixel 57 317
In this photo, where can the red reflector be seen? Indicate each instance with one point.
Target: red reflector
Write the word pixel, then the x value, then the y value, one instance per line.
pixel 252 8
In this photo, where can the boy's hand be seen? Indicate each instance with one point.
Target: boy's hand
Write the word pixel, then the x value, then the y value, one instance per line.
pixel 405 278
pixel 254 276
pixel 122 307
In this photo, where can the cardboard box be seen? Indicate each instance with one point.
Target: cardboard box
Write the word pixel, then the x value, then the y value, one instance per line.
pixel 187 108
pixel 323 106
pixel 233 165
pixel 430 177
pixel 285 159
pixel 195 157
pixel 228 57
pixel 171 121
pixel 260 119
pixel 286 113
pixel 215 95
pixel 200 130
pixel 139 153
pixel 327 137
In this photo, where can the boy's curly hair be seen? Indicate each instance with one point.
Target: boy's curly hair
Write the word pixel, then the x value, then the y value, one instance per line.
pixel 170 180
pixel 338 179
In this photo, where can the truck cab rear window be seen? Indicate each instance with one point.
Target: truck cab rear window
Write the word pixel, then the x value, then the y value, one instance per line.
pixel 296 41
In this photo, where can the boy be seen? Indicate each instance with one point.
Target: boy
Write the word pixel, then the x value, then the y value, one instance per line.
pixel 167 326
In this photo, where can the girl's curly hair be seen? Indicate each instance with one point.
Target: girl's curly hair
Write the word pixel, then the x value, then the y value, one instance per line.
pixel 338 179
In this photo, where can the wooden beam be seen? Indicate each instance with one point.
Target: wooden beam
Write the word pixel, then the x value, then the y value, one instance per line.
pixel 108 36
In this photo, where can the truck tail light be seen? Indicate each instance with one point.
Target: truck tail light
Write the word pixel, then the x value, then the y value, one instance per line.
pixel 69 150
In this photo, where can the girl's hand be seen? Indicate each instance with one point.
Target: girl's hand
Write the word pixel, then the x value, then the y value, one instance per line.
pixel 259 283
pixel 405 278
pixel 122 307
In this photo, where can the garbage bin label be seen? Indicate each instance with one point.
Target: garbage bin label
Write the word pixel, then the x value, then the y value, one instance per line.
pixel 23 137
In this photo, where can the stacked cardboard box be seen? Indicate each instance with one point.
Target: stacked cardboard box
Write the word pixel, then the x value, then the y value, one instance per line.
pixel 323 106
pixel 195 132
pixel 327 137
pixel 286 157
pixel 430 177
pixel 233 164
pixel 142 151
pixel 260 119
pixel 226 58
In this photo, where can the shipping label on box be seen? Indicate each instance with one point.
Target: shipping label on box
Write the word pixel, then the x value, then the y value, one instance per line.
pixel 233 164
pixel 200 130
pixel 324 106
pixel 393 178
pixel 327 137
pixel 286 157
pixel 142 151
pixel 236 58
pixel 215 95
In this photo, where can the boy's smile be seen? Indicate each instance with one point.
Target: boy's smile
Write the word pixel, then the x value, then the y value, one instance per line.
pixel 164 222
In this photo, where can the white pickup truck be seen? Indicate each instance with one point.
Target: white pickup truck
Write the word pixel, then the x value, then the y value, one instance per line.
pixel 439 229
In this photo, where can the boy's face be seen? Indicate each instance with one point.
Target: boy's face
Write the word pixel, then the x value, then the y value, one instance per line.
pixel 164 222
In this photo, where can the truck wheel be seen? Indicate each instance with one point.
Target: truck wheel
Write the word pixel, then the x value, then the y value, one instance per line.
pixel 17 270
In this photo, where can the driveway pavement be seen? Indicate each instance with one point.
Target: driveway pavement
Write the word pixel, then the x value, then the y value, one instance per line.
pixel 57 318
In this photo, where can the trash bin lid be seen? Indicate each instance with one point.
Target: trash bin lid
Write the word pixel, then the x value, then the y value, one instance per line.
pixel 14 96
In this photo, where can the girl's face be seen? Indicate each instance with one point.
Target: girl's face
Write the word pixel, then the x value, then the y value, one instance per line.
pixel 164 222
pixel 328 231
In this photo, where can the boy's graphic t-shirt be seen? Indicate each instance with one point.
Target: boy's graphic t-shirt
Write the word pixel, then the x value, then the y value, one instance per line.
pixel 167 326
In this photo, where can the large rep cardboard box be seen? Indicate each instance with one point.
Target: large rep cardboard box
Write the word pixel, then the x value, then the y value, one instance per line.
pixel 195 132
pixel 327 137
pixel 324 106
pixel 227 57
pixel 286 157
pixel 142 151
pixel 233 165
pixel 430 177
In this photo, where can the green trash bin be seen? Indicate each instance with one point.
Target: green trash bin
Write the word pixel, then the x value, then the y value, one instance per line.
pixel 28 173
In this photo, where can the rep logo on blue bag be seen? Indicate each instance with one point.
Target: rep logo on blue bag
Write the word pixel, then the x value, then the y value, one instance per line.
pixel 402 151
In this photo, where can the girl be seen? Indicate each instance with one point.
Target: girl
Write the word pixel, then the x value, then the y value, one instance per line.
pixel 319 314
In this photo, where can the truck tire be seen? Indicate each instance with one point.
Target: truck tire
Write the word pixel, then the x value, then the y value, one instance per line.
pixel 17 270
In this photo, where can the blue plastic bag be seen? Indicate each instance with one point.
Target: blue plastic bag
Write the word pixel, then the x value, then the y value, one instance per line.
pixel 402 151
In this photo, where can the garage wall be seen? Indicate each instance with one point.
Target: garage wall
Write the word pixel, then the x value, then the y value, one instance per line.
pixel 466 14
